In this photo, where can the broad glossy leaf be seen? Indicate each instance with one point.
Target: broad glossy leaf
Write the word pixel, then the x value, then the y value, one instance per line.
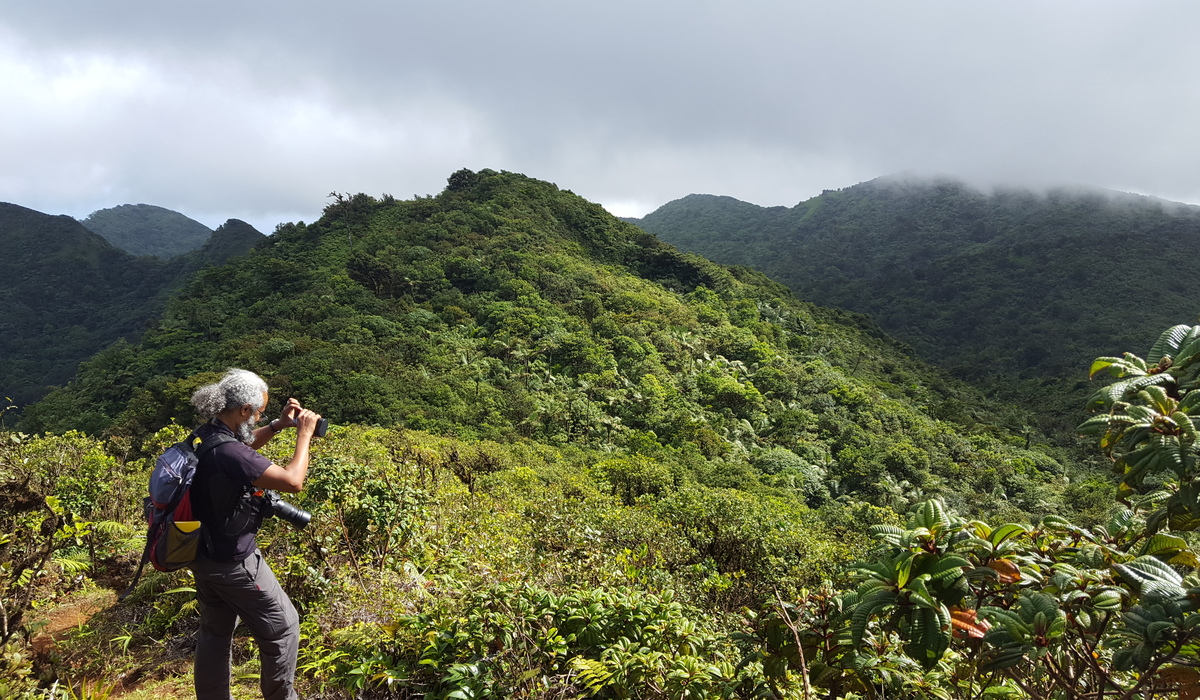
pixel 1187 426
pixel 1163 545
pixel 1094 425
pixel 1004 658
pixel 919 594
pixel 1006 570
pixel 1188 348
pixel 928 636
pixel 1116 366
pixel 931 515
pixel 1156 520
pixel 1128 388
pixel 1186 558
pixel 904 570
pixel 1006 532
pixel 943 567
pixel 1039 604
pixel 1148 575
pixel 886 533
pixel 1158 399
pixel 1108 600
pixel 877 601
pixel 1057 521
pixel 1168 343
pixel 1156 629
pixel 966 623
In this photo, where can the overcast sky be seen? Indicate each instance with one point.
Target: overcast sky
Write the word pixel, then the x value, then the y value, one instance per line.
pixel 257 109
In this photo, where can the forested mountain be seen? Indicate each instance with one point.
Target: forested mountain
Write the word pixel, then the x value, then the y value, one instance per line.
pixel 68 293
pixel 569 460
pixel 505 309
pixel 144 229
pixel 231 239
pixel 1012 290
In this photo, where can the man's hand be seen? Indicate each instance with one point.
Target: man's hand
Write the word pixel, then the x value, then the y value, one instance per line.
pixel 290 478
pixel 306 422
pixel 287 419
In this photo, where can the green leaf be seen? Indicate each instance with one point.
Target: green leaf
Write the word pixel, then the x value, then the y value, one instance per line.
pixel 929 636
pixel 1150 576
pixel 886 533
pixel 1168 343
pixel 1116 366
pixel 1041 604
pixel 946 566
pixel 930 515
pixel 1003 658
pixel 1156 629
pixel 1163 545
pixel 879 600
pixel 904 570
pixel 1006 532
pixel 1108 600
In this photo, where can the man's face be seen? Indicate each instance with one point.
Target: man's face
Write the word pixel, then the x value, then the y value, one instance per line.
pixel 245 429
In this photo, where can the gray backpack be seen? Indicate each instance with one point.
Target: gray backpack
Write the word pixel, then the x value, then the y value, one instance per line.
pixel 173 533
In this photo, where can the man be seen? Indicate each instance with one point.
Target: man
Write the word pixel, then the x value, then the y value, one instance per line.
pixel 232 579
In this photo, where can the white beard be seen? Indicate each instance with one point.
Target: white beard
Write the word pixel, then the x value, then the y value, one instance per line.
pixel 245 431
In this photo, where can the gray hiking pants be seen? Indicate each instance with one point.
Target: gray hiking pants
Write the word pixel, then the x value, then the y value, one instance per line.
pixel 247 590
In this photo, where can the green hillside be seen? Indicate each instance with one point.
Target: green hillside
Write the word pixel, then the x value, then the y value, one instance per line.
pixel 1013 291
pixel 144 229
pixel 568 460
pixel 508 309
pixel 68 293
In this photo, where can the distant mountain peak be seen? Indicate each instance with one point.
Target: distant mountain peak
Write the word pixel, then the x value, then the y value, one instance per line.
pixel 145 229
pixel 68 292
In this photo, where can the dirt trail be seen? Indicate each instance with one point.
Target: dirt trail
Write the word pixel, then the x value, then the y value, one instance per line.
pixel 65 617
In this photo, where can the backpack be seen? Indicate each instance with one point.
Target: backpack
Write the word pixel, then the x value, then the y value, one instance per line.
pixel 173 534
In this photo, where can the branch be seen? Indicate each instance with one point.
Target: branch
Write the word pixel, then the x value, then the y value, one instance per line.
pixel 799 646
pixel 1152 670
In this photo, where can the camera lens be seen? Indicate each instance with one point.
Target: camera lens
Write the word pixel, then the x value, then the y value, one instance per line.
pixel 297 517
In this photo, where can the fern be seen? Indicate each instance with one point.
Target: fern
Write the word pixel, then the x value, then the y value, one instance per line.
pixel 72 565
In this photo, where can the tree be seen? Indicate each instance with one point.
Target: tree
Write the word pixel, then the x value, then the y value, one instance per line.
pixel 947 607
pixel 1147 428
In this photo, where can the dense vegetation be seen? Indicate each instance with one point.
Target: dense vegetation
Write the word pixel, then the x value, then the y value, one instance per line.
pixel 570 461
pixel 1011 290
pixel 144 229
pixel 507 309
pixel 442 568
pixel 68 293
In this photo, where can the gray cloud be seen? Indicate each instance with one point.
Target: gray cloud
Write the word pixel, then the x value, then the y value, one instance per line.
pixel 257 110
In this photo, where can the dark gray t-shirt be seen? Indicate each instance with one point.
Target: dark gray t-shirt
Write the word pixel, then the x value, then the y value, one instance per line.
pixel 226 473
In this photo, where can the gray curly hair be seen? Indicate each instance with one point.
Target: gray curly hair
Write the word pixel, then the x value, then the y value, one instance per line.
pixel 236 389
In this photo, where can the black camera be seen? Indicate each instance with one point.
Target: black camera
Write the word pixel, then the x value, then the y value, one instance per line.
pixel 273 505
pixel 322 427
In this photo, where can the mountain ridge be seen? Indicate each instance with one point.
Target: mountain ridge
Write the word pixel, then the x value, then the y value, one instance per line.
pixel 68 292
pixel 147 229
pixel 507 309
pixel 1011 288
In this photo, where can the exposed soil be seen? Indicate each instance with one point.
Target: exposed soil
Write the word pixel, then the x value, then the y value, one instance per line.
pixel 61 619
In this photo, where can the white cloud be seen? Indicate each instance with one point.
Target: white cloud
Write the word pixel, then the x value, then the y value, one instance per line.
pixel 258 110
